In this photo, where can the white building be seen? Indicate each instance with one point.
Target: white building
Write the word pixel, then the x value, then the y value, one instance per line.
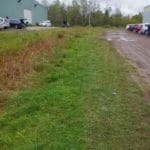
pixel 146 14
pixel 29 9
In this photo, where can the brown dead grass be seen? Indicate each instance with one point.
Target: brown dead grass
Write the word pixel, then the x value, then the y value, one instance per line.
pixel 14 67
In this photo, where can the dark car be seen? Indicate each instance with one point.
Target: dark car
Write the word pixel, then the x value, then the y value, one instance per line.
pixel 65 24
pixel 128 26
pixel 132 27
pixel 147 32
pixel 15 23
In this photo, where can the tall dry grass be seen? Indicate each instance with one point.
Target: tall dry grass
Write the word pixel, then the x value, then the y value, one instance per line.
pixel 14 67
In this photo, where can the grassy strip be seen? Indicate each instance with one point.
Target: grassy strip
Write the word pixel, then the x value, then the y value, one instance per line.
pixel 84 99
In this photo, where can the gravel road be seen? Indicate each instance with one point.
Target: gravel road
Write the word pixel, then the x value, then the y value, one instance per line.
pixel 135 47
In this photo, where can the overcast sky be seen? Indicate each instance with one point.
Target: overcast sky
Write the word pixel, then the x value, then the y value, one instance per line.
pixel 127 7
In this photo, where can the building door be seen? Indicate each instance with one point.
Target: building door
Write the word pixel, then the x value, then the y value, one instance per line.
pixel 28 14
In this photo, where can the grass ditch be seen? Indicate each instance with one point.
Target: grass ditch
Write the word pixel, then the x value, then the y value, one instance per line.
pixel 84 99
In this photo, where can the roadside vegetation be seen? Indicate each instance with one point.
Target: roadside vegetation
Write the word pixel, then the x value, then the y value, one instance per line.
pixel 89 12
pixel 70 90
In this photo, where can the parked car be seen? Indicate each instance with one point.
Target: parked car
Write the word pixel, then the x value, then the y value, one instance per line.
pixel 138 28
pixel 144 28
pixel 4 23
pixel 1 24
pixel 132 27
pixel 65 24
pixel 147 32
pixel 25 22
pixel 128 26
pixel 46 23
pixel 15 23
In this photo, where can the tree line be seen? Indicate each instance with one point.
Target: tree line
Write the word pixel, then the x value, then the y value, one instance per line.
pixel 88 12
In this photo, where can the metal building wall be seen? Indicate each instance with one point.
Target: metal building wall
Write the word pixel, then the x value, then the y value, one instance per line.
pixel 146 15
pixel 40 13
pixel 15 9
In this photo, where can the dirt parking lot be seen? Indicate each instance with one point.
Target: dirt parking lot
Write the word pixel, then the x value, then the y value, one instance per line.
pixel 136 48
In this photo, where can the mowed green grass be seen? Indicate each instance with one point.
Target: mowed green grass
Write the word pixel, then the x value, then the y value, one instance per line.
pixel 83 99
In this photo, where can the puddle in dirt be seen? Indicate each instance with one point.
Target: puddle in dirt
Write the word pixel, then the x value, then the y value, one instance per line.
pixel 127 39
pixel 120 37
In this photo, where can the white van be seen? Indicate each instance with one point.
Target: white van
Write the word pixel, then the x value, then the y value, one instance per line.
pixel 1 24
pixel 144 28
pixel 4 23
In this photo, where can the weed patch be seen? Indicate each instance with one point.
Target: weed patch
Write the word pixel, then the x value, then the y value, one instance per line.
pixel 14 67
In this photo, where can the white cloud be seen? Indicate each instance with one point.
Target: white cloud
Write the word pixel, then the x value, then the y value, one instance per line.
pixel 127 7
